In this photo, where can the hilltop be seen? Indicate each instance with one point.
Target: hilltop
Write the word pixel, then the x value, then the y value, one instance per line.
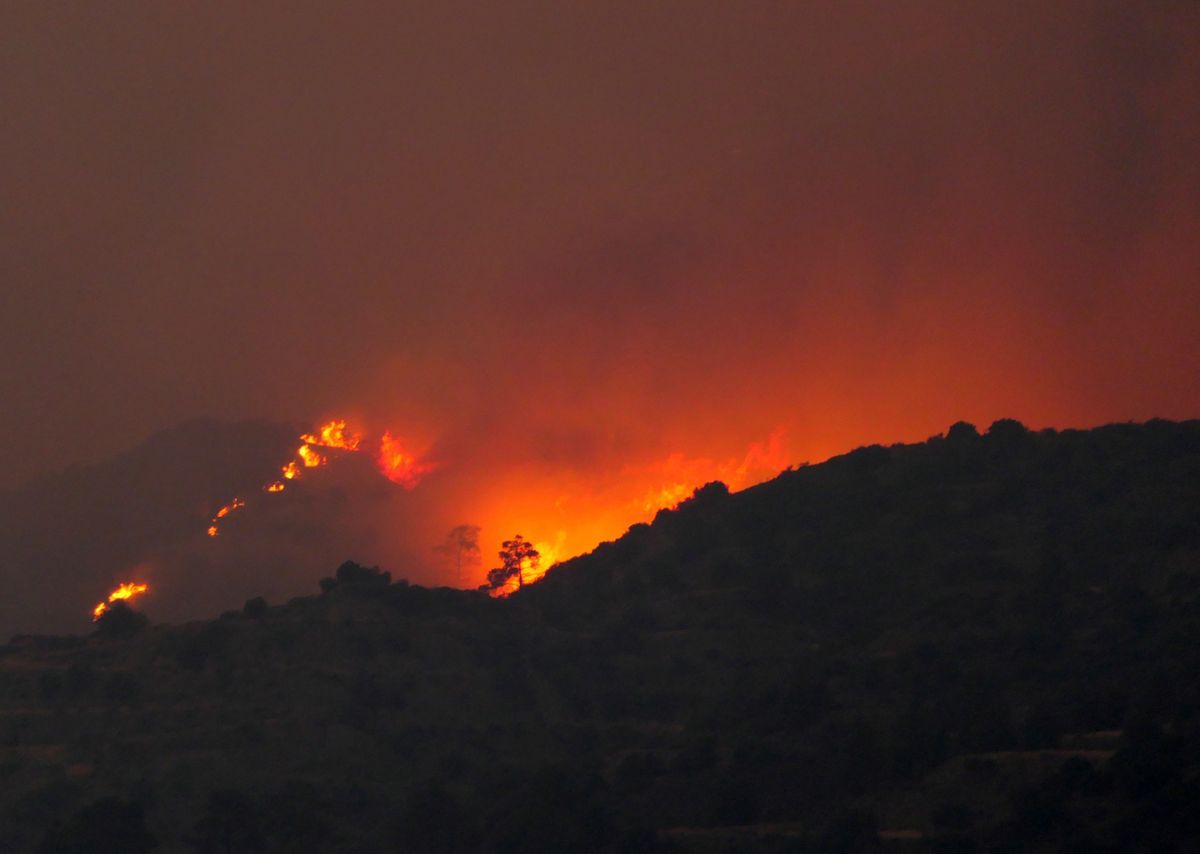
pixel 977 643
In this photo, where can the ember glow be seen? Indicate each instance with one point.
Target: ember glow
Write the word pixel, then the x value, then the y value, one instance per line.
pixel 124 591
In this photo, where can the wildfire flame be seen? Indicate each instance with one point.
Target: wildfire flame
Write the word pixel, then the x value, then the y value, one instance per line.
pixel 589 509
pixel 235 504
pixel 333 435
pixel 230 507
pixel 680 475
pixel 125 591
pixel 400 466
pixel 311 458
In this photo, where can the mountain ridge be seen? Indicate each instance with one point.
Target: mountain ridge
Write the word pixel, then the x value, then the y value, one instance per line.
pixel 976 643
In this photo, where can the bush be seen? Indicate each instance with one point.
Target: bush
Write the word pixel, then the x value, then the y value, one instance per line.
pixel 120 622
pixel 355 577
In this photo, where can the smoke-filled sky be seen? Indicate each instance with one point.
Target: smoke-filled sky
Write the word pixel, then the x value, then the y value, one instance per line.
pixel 553 242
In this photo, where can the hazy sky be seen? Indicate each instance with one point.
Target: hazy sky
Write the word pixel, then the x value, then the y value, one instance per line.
pixel 574 235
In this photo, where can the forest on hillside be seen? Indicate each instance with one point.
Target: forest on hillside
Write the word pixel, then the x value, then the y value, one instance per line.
pixel 985 642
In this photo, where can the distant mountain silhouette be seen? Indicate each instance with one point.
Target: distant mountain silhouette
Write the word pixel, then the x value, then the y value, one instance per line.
pixel 977 643
pixel 65 538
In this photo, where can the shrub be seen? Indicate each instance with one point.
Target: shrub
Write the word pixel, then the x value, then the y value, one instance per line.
pixel 120 622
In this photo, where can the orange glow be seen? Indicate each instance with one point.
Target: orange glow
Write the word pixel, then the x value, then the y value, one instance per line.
pixel 235 504
pixel 311 458
pixel 125 591
pixel 550 552
pixel 400 466
pixel 567 515
pixel 333 435
pixel 230 507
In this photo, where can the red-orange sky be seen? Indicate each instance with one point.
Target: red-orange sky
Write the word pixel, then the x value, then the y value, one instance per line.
pixel 555 242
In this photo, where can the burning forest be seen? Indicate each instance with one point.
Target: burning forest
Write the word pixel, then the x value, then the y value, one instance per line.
pixel 549 526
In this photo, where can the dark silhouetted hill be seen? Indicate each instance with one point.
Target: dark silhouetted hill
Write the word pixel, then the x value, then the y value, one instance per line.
pixel 66 538
pixel 978 643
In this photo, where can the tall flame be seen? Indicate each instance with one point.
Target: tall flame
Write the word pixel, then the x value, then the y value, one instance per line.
pixel 125 591
pixel 333 435
pixel 399 465
pixel 311 458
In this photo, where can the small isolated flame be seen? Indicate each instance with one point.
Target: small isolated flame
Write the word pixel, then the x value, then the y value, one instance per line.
pixel 400 466
pixel 275 486
pixel 333 435
pixel 235 504
pixel 230 507
pixel 125 591
pixel 291 471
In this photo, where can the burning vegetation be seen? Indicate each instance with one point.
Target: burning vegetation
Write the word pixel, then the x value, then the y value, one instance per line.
pixel 399 465
pixel 125 591
pixel 564 514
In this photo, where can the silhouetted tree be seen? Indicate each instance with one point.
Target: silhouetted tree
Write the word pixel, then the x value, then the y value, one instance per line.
pixel 962 431
pixel 120 622
pixel 460 548
pixel 514 554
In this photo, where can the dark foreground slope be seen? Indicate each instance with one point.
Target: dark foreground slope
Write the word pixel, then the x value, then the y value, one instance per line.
pixel 974 644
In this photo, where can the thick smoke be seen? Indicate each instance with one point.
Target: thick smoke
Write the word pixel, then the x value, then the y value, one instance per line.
pixel 554 243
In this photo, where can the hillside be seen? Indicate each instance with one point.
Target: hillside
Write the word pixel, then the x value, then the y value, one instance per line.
pixel 978 643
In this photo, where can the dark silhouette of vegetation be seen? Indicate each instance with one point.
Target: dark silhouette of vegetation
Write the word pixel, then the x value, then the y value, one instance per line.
pixel 355 577
pixel 977 643
pixel 516 556
pixel 120 622
pixel 461 549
